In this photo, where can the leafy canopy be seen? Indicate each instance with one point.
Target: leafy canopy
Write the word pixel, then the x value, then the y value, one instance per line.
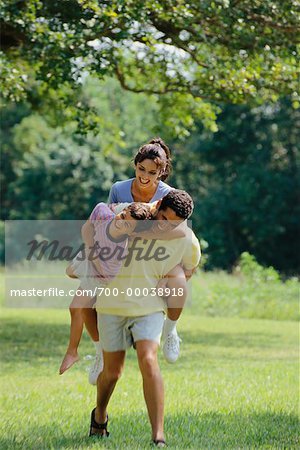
pixel 191 54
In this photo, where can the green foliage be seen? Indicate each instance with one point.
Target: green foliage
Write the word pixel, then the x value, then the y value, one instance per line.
pixel 244 179
pixel 2 243
pixel 63 179
pixel 254 272
pixel 245 184
pixel 52 171
pixel 252 292
pixel 204 52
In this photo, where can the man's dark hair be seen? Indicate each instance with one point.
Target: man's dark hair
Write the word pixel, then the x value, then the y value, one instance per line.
pixel 179 201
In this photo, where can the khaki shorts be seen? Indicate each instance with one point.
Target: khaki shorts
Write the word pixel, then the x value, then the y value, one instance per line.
pixel 119 333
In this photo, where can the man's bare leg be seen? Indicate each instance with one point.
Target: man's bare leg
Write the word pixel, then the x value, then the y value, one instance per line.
pixel 152 385
pixel 107 380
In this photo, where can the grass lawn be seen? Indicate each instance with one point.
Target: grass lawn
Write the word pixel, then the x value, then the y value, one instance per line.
pixel 234 386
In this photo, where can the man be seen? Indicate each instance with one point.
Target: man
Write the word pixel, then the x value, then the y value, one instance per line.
pixel 136 315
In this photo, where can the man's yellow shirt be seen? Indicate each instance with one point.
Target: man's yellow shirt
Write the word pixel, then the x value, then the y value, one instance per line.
pixel 132 292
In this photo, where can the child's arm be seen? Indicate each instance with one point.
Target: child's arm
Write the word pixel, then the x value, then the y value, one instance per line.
pixel 87 234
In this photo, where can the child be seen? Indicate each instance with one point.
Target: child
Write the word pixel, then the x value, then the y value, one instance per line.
pixel 110 230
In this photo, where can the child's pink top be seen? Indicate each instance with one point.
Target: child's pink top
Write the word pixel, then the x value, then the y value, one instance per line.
pixel 110 260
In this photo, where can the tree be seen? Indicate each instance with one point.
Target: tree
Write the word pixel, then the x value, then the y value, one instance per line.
pixel 192 55
pixel 246 188
pixel 64 180
pixel 46 161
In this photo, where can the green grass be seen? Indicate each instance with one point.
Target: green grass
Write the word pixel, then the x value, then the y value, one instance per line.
pixel 235 386
pixel 221 294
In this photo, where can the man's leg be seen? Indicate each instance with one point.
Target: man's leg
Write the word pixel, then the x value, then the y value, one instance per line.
pixel 152 385
pixel 113 367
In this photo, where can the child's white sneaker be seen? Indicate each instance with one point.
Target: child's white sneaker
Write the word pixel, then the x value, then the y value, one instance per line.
pixel 171 347
pixel 96 368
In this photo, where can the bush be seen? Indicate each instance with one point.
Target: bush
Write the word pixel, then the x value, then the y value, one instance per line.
pixel 2 242
pixel 252 291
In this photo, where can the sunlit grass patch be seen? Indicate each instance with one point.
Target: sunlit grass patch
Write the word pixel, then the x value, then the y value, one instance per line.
pixel 235 385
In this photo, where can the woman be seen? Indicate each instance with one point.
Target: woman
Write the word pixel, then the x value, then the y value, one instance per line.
pixel 152 167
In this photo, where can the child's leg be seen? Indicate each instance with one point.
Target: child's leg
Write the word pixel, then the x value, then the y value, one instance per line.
pixel 70 271
pixel 177 285
pixel 76 329
pixel 90 321
pixel 175 301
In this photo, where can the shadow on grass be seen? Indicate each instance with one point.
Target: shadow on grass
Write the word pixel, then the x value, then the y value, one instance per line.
pixel 183 430
pixel 30 340
pixel 36 345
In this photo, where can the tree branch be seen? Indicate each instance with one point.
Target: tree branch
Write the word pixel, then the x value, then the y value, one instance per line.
pixel 268 21
pixel 188 89
pixel 123 83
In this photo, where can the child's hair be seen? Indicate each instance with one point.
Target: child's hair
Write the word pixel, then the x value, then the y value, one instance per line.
pixel 159 152
pixel 142 213
pixel 179 201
